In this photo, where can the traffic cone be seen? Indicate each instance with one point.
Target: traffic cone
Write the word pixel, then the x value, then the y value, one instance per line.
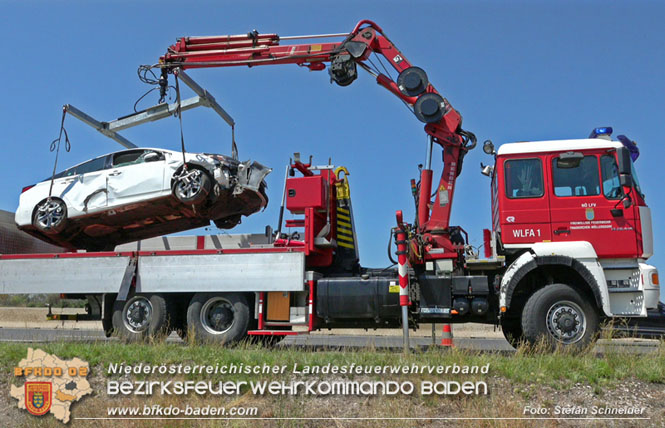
pixel 447 337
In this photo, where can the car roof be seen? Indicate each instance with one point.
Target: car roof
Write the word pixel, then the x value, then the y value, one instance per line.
pixel 121 151
pixel 108 154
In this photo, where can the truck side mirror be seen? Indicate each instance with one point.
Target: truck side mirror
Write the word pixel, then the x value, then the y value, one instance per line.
pixel 625 180
pixel 627 202
pixel 624 161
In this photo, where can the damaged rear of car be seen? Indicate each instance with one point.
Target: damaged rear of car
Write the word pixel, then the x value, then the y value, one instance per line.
pixel 140 193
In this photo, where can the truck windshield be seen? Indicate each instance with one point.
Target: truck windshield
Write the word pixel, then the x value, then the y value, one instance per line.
pixel 610 178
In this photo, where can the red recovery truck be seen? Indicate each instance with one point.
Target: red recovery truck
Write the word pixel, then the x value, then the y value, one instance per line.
pixel 570 234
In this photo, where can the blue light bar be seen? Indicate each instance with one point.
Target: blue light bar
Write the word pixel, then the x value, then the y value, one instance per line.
pixel 631 146
pixel 597 132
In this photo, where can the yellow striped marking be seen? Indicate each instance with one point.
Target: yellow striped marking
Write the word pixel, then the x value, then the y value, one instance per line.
pixel 343 210
pixel 341 223
pixel 345 245
pixel 344 231
pixel 345 238
pixel 343 217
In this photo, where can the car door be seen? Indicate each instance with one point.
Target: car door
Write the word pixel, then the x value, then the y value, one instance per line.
pixel 134 176
pixel 82 187
pixel 86 190
pixel 584 193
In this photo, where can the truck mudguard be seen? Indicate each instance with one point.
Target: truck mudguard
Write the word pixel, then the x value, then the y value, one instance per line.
pixel 530 261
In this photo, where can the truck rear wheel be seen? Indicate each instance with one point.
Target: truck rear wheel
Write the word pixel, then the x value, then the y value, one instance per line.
pixel 558 314
pixel 141 316
pixel 218 318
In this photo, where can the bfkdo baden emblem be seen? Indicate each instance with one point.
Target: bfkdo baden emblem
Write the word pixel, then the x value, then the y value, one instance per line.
pixel 38 397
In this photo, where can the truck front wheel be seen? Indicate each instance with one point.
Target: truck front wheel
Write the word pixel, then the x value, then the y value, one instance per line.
pixel 218 318
pixel 558 314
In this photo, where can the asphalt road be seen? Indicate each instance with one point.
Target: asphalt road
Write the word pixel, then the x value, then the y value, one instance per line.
pixel 43 335
pixel 322 341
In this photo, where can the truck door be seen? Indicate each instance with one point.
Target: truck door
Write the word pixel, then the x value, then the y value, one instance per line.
pixel 585 190
pixel 524 209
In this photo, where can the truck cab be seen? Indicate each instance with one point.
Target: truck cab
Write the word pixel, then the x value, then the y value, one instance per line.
pixel 579 200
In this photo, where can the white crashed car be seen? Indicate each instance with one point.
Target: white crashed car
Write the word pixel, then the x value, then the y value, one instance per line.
pixel 140 193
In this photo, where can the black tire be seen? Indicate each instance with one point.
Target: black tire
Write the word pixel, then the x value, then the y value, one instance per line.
pixel 50 216
pixel 560 316
pixel 140 317
pixel 193 187
pixel 228 222
pixel 218 318
pixel 178 314
pixel 512 331
pixel 107 319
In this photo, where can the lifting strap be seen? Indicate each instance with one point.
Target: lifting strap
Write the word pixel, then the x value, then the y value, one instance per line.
pixel 178 113
pixel 234 148
pixel 55 146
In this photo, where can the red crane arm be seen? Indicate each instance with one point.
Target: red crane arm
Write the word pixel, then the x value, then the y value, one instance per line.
pixel 412 87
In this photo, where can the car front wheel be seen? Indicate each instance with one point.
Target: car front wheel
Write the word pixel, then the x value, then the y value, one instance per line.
pixel 191 187
pixel 50 216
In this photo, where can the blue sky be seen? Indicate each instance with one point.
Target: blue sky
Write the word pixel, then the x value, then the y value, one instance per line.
pixel 515 70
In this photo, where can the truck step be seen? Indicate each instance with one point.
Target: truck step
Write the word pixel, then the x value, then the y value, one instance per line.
pixel 651 327
pixel 623 290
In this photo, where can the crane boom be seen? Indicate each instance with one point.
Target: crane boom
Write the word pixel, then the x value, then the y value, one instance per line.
pixel 443 122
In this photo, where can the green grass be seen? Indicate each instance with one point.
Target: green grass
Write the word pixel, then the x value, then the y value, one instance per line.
pixel 558 370
pixel 524 377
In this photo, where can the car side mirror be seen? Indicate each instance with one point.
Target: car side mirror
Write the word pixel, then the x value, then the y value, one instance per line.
pixel 151 157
